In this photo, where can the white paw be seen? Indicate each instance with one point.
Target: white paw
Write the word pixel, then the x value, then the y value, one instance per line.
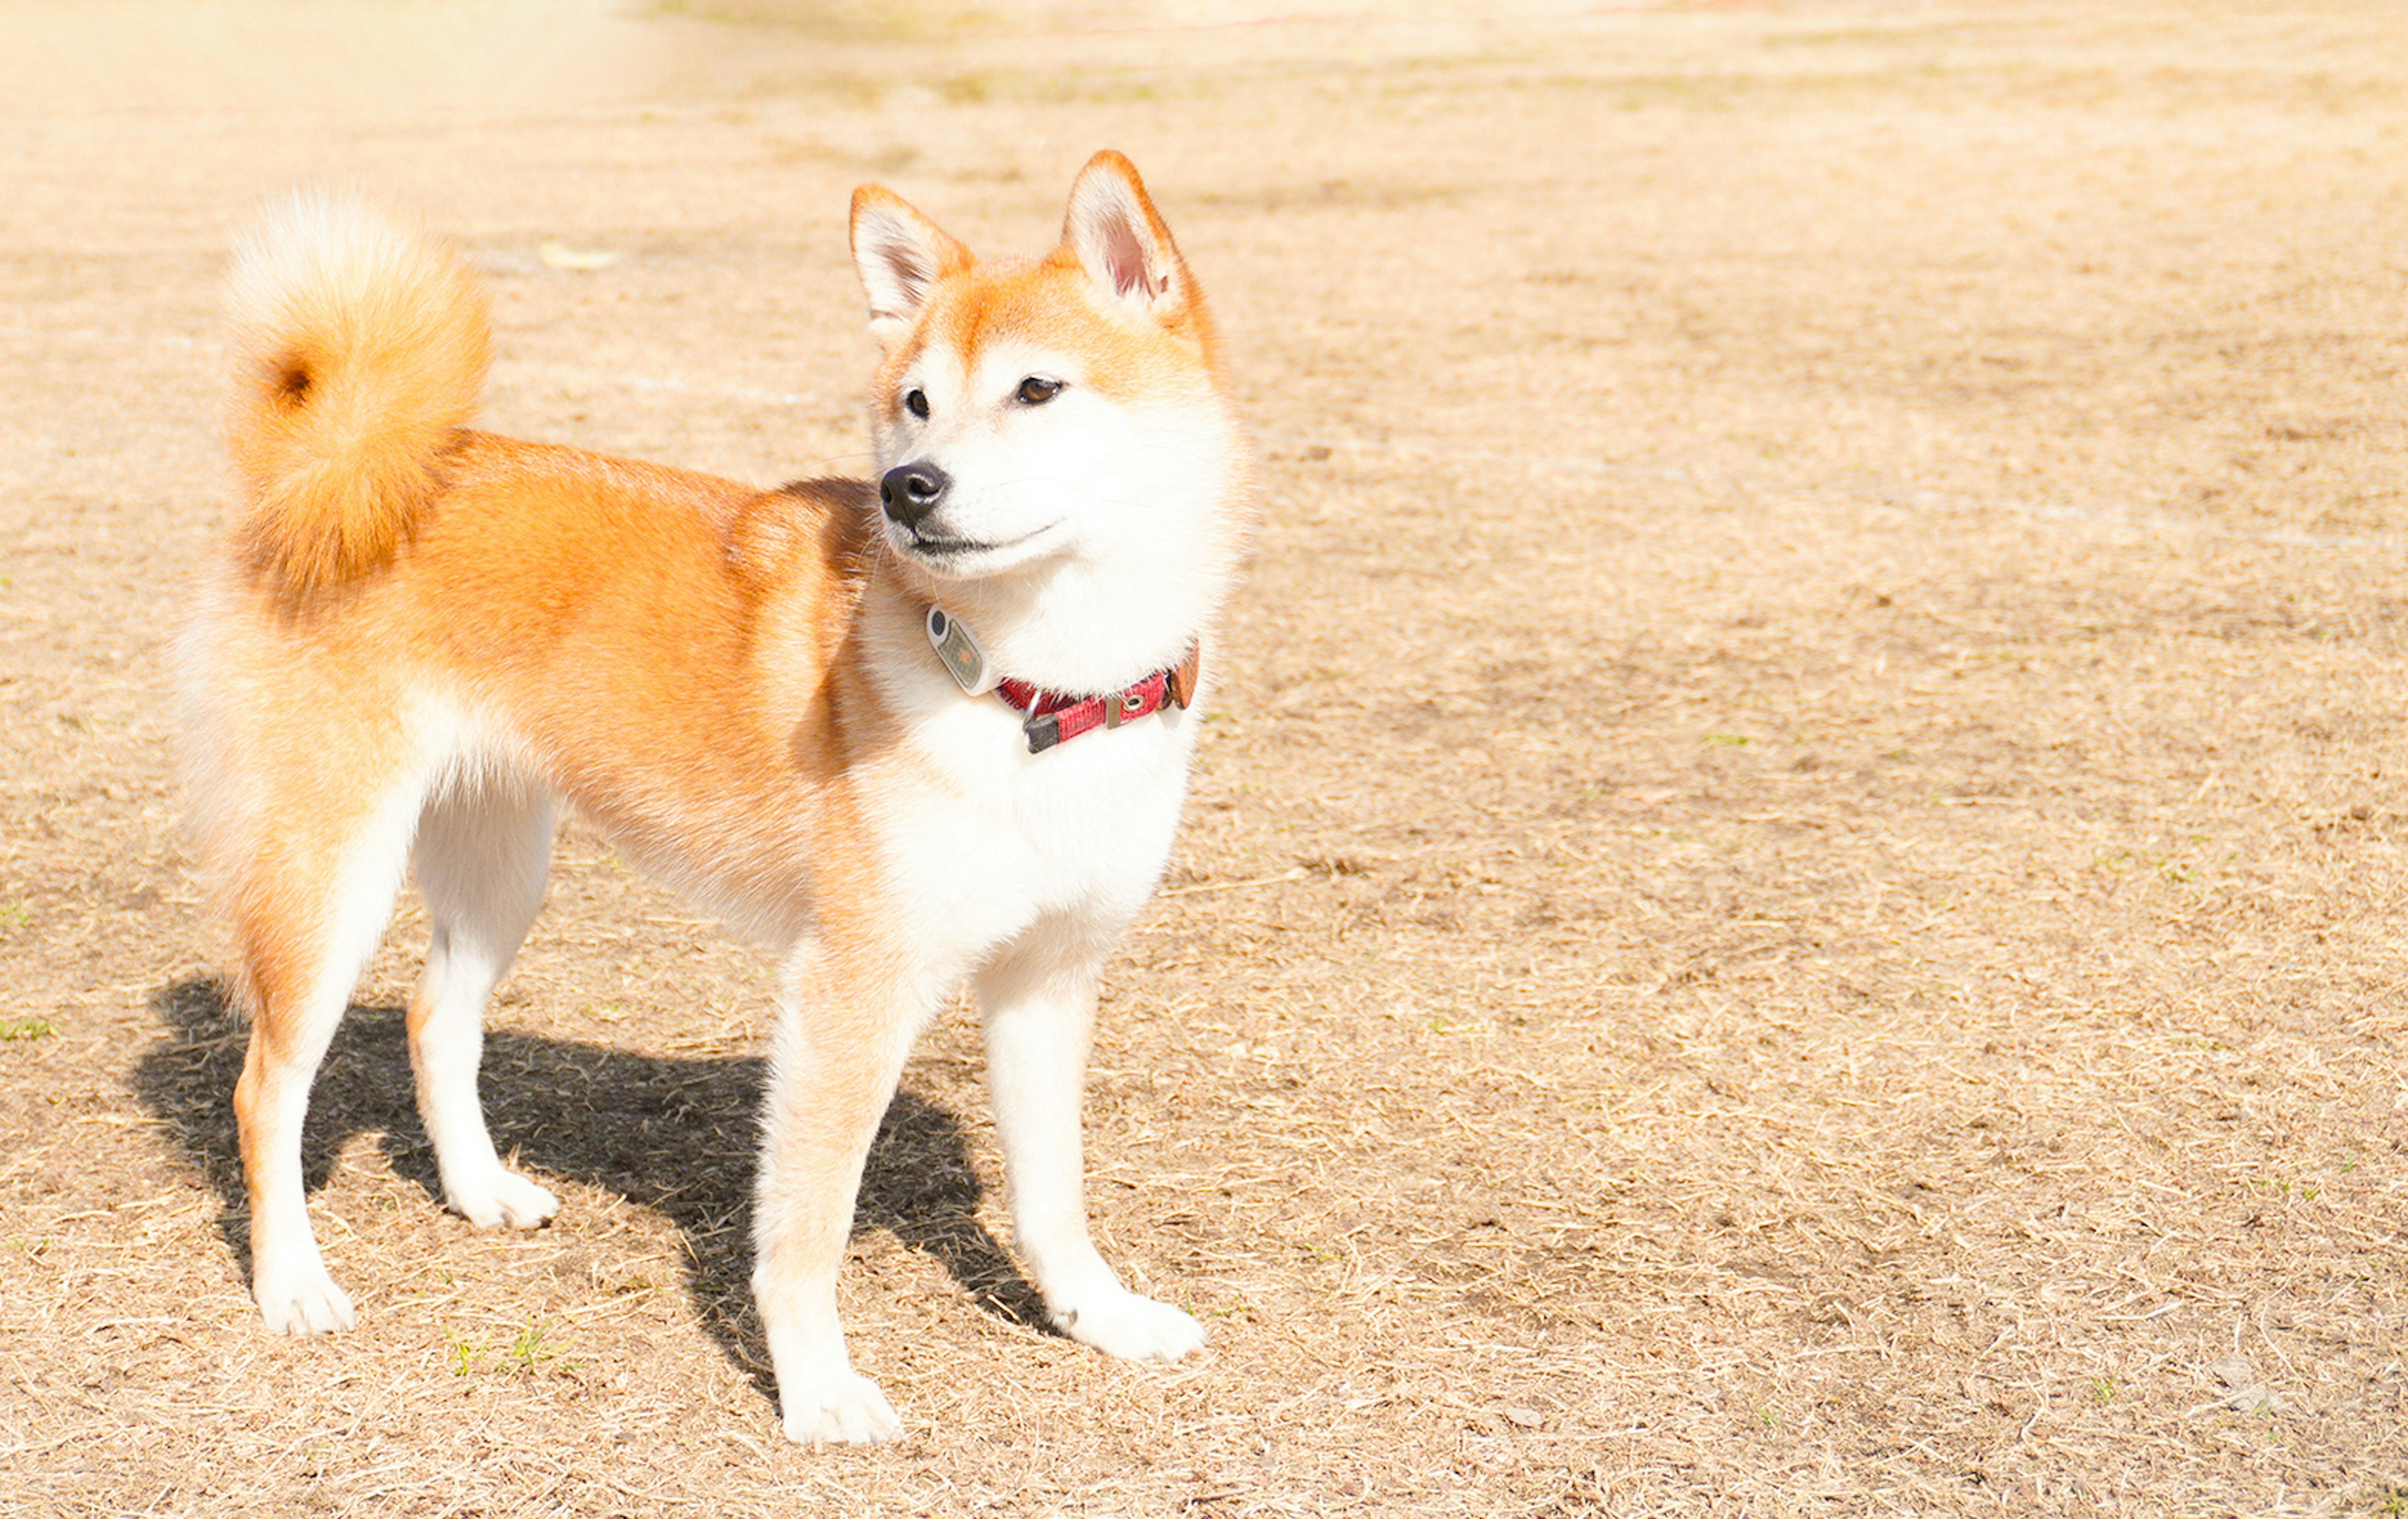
pixel 502 1198
pixel 1136 1328
pixel 840 1409
pixel 301 1299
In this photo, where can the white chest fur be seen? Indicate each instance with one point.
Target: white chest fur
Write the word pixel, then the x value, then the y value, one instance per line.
pixel 1007 838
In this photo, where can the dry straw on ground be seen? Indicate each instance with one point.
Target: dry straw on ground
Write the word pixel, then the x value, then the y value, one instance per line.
pixel 1795 901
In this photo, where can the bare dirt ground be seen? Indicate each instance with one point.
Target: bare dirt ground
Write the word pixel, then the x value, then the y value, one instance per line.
pixel 1794 905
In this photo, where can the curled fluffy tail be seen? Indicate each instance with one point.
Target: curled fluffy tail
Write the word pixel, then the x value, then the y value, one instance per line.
pixel 359 352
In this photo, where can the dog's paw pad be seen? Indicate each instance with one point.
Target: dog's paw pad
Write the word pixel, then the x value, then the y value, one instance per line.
pixel 1134 1327
pixel 847 1409
pixel 505 1198
pixel 303 1302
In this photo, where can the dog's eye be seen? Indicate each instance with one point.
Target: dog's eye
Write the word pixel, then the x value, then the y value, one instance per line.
pixel 1036 391
pixel 916 403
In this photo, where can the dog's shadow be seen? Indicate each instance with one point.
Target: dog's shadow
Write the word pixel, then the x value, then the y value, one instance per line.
pixel 676 1136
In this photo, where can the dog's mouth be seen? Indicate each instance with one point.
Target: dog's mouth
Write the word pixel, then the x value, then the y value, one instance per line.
pixel 944 550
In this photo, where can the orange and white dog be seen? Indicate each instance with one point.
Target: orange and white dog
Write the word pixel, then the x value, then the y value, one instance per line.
pixel 913 731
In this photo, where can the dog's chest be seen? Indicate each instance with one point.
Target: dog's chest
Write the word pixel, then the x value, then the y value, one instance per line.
pixel 1005 838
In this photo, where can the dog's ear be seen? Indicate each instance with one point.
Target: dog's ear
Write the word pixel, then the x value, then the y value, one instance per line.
pixel 1121 240
pixel 901 255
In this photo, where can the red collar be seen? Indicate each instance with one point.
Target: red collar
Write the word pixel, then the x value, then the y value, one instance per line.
pixel 1054 717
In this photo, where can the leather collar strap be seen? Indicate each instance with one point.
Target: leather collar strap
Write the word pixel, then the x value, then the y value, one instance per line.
pixel 1053 718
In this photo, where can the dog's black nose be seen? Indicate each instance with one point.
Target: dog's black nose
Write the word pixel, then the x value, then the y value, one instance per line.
pixel 910 492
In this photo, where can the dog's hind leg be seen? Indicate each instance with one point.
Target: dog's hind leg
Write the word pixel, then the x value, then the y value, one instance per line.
pixel 315 897
pixel 480 860
pixel 1037 1001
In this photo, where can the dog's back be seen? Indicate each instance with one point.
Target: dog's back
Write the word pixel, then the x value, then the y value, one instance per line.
pixel 405 602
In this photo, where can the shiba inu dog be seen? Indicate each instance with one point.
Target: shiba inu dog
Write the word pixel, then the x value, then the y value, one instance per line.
pixel 911 731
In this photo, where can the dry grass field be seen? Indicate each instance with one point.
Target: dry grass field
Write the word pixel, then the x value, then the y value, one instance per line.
pixel 1795 900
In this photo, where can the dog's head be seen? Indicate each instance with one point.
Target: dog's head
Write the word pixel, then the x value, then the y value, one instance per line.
pixel 1035 415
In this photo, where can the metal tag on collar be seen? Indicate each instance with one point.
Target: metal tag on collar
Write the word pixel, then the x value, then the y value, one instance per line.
pixel 963 659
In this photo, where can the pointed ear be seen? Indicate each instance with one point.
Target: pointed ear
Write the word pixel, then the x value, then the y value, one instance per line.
pixel 900 256
pixel 1121 240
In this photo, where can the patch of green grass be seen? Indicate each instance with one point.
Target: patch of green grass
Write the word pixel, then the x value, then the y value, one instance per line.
pixel 530 1350
pixel 2164 867
pixel 26 1029
pixel 528 1354
pixel 16 913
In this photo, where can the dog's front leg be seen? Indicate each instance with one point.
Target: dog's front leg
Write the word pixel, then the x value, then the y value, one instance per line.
pixel 842 1036
pixel 1037 999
